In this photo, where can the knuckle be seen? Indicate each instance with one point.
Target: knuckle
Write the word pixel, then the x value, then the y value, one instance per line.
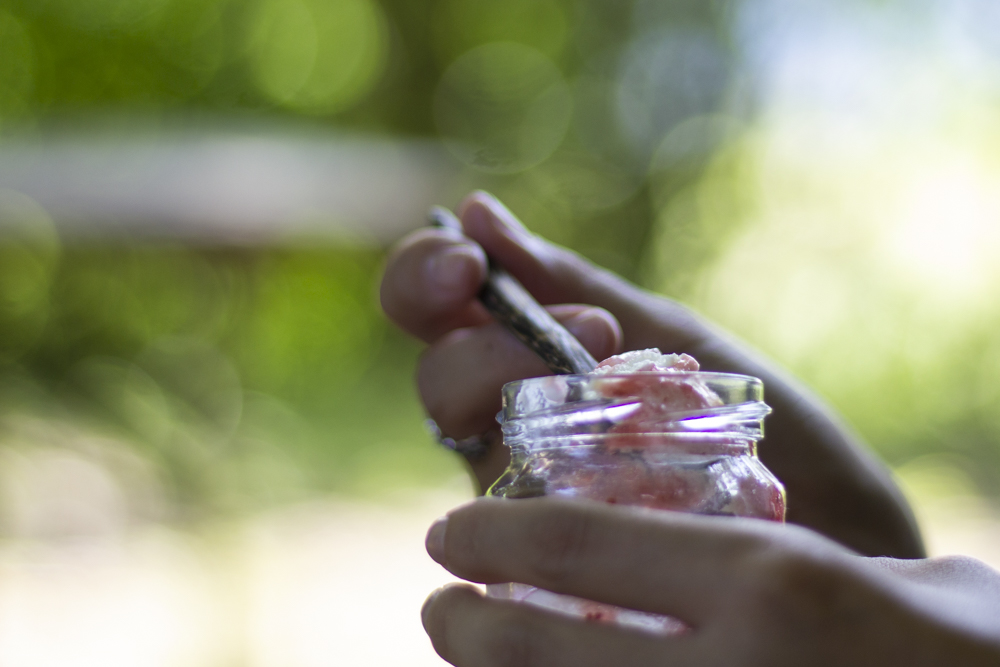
pixel 797 589
pixel 778 574
pixel 559 538
pixel 515 642
pixel 958 564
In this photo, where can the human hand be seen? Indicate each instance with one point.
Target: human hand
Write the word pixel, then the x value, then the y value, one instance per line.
pixel 752 592
pixel 429 289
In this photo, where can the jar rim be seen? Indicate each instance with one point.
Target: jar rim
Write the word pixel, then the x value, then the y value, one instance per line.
pixel 701 375
pixel 524 397
pixel 555 406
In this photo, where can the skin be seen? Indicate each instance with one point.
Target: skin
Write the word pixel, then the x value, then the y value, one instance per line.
pixel 752 592
pixel 834 484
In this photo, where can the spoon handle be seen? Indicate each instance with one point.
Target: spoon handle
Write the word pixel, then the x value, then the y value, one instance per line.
pixel 514 307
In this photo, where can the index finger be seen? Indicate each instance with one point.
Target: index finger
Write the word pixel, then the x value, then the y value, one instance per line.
pixel 431 281
pixel 672 563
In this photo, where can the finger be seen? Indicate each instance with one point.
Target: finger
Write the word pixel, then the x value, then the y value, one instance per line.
pixel 682 565
pixel 431 281
pixel 461 375
pixel 556 275
pixel 469 630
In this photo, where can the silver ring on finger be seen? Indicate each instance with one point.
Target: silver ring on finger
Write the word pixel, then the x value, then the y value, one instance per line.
pixel 472 448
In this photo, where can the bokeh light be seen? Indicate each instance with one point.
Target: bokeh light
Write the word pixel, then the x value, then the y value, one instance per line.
pixel 211 452
pixel 857 241
pixel 947 235
pixel 666 77
pixel 316 56
pixel 17 66
pixel 460 26
pixel 503 107
pixel 28 258
pixel 191 33
pixel 105 15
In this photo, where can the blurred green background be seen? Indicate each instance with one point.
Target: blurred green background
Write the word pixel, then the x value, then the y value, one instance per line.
pixel 821 178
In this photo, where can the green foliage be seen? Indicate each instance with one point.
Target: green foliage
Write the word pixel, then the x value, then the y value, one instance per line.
pixel 248 376
pixel 621 129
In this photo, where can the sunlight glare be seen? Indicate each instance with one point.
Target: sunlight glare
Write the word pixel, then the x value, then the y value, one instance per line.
pixel 948 232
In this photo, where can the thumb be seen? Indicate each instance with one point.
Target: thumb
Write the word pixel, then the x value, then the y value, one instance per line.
pixel 556 275
pixel 551 273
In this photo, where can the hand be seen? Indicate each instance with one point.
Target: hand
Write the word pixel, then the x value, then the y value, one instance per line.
pixel 834 484
pixel 753 592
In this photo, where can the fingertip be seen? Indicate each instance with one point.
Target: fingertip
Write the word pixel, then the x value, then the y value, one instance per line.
pixel 437 604
pixel 425 610
pixel 434 541
pixel 597 330
pixel 454 270
pixel 478 199
pixel 483 214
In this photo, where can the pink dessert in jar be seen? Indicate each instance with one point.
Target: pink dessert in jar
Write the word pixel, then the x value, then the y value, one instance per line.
pixel 644 429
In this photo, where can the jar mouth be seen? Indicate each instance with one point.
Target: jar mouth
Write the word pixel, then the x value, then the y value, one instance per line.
pixel 687 410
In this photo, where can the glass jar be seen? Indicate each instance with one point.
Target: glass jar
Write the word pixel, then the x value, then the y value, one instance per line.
pixel 681 441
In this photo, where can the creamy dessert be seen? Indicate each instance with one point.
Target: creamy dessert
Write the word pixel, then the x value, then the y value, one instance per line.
pixel 646 361
pixel 644 429
pixel 662 454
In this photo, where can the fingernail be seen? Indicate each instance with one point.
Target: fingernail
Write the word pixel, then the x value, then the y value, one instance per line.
pixel 596 329
pixel 425 611
pixel 435 539
pixel 451 269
